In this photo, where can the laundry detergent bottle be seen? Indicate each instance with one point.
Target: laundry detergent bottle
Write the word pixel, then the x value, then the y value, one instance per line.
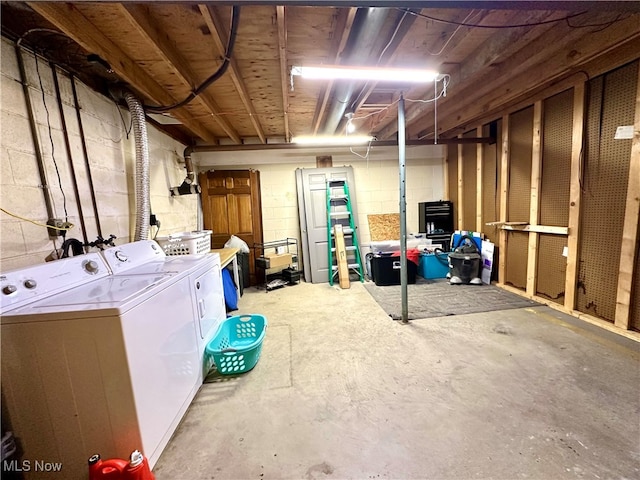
pixel 137 468
pixel 111 469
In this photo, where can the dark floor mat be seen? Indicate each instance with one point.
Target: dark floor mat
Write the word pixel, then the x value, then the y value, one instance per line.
pixel 438 298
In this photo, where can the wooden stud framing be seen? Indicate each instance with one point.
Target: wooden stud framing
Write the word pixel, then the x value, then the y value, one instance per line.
pixel 461 224
pixel 628 249
pixel 284 78
pixel 575 195
pixel 479 190
pixel 216 28
pixel 446 175
pixel 504 197
pixel 534 210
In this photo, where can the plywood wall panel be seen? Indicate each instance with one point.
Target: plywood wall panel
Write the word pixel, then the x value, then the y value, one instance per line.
pixel 610 103
pixel 491 184
pixel 520 149
pixel 556 159
pixel 552 267
pixel 469 178
pixel 516 258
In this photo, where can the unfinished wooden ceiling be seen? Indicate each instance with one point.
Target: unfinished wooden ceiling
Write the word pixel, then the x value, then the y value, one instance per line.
pixel 495 55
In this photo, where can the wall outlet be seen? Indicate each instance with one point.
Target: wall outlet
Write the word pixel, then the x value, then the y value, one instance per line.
pixel 54 232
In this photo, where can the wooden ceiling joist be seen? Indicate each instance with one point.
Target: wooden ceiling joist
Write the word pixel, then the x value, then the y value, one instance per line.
pixel 217 30
pixel 140 18
pixel 70 20
pixel 282 53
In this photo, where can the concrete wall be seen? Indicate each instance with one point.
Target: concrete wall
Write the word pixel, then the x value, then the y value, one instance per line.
pixel 111 158
pixel 376 178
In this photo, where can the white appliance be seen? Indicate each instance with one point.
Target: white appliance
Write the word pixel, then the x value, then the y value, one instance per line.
pixel 104 355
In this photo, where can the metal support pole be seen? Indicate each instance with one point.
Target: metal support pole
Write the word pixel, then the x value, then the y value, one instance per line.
pixel 403 210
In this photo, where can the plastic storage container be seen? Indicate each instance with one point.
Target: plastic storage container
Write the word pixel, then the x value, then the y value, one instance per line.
pixel 237 345
pixel 186 243
pixel 434 265
pixel 385 270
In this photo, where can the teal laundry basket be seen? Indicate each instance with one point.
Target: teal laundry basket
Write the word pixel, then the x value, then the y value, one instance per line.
pixel 237 344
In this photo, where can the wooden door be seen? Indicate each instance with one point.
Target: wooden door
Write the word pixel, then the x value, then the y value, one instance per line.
pixel 231 206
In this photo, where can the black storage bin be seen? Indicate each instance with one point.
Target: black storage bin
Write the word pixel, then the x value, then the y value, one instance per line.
pixel 243 263
pixel 385 270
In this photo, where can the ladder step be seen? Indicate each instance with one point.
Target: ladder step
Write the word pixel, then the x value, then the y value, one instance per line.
pixel 345 230
pixel 339 214
pixel 351 265
pixel 338 197
pixel 349 248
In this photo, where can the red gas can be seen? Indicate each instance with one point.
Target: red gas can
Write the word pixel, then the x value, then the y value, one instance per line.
pixel 137 468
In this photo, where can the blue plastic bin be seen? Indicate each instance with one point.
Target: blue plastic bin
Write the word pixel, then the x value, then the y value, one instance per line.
pixel 237 344
pixel 434 265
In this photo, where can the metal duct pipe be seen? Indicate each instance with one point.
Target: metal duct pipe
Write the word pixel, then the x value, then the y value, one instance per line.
pixel 143 207
pixel 364 37
pixel 188 187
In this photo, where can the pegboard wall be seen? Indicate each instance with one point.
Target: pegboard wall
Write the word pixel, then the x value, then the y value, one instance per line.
pixel 520 149
pixel 610 103
pixel 556 159
pixel 452 162
pixel 552 267
pixel 491 183
pixel 469 185
pixel 517 248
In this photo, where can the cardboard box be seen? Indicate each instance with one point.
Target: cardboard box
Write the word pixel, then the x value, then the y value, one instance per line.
pixel 275 260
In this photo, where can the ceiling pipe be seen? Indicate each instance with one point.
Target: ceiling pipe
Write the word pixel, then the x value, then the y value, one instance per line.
pixel 188 185
pixel 363 46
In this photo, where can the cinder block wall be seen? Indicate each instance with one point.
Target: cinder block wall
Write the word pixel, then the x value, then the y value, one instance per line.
pixel 376 182
pixel 111 158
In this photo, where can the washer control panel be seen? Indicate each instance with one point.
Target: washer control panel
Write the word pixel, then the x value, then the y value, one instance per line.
pixel 23 286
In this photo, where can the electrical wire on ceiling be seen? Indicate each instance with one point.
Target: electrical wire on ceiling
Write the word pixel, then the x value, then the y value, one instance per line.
pixel 53 156
pixel 477 25
pixel 235 18
pixel 468 17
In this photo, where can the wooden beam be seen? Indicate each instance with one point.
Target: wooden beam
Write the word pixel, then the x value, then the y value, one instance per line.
pixel 446 192
pixel 461 224
pixel 67 18
pixel 629 246
pixel 534 204
pixel 551 229
pixel 575 195
pixel 281 16
pixel 479 184
pixel 492 52
pixel 504 199
pixel 344 22
pixel 140 18
pixel 341 256
pixel 558 53
pixel 215 27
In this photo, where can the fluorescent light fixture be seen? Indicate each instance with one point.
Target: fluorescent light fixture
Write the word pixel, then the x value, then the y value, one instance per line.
pixel 366 73
pixel 332 139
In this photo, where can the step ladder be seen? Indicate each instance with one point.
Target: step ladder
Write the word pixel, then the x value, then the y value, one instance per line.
pixel 340 214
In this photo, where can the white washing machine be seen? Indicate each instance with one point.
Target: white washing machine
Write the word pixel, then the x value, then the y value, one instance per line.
pixel 101 362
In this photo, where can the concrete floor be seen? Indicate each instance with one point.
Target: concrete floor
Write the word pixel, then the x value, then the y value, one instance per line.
pixel 342 391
